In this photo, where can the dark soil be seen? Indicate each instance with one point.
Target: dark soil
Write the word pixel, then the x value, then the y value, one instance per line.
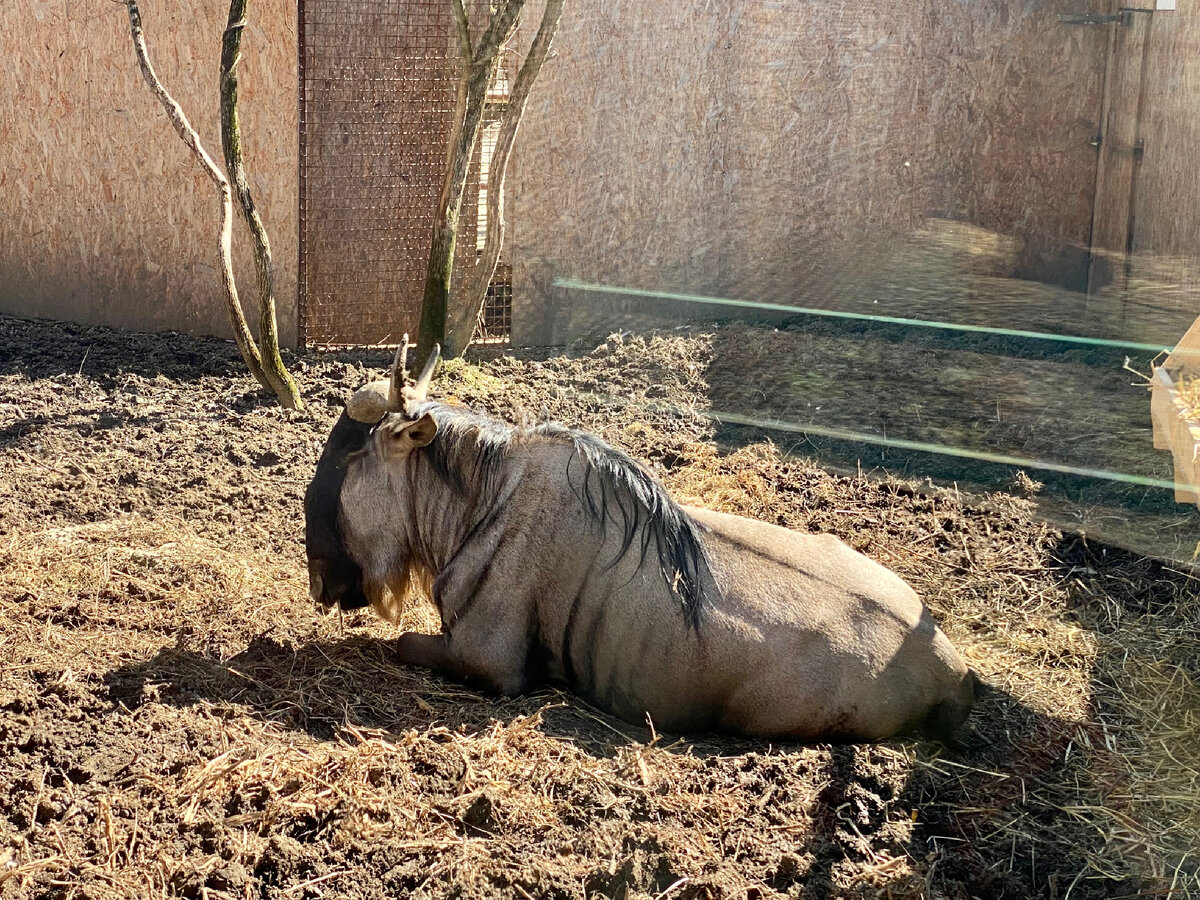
pixel 969 398
pixel 176 720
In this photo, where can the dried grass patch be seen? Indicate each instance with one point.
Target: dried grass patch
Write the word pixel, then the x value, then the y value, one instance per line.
pixel 1126 695
pixel 104 593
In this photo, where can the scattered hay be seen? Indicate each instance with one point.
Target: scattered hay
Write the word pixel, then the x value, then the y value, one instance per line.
pixel 1147 690
pixel 101 594
pixel 1188 389
pixel 725 483
pixel 175 720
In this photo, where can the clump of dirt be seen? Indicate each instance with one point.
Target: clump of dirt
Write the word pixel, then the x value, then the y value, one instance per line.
pixel 175 720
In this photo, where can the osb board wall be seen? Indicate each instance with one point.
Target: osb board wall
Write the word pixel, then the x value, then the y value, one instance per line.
pixel 105 216
pixel 827 146
pixel 1014 101
pixel 617 166
pixel 772 149
pixel 1166 226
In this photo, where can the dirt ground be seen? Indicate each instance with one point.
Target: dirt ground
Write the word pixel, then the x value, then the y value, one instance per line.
pixel 1087 409
pixel 176 720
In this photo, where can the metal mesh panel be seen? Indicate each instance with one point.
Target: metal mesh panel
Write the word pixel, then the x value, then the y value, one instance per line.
pixel 496 325
pixel 377 96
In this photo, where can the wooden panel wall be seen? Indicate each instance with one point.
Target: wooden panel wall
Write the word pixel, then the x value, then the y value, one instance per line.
pixel 1117 168
pixel 104 215
pixel 824 137
pixel 619 163
pixel 1014 100
pixel 1166 227
pixel 774 149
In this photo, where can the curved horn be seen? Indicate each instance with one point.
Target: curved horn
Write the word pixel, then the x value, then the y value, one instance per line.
pixel 399 377
pixel 373 401
pixel 416 394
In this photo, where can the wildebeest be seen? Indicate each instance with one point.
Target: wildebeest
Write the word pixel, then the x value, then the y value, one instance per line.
pixel 551 555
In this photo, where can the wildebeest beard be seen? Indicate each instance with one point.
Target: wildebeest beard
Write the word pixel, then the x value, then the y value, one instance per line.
pixel 341 577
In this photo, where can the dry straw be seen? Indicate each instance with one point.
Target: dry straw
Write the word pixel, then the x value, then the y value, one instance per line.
pixel 270 722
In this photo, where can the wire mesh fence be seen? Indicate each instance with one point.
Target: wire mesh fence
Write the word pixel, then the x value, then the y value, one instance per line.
pixel 378 83
pixel 496 319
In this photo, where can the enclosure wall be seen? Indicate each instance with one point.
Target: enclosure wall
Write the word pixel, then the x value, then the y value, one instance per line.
pixel 1166 201
pixel 380 86
pixel 776 150
pixel 105 216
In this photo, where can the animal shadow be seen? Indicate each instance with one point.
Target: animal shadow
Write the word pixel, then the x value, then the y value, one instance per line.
pixel 857 817
pixel 319 688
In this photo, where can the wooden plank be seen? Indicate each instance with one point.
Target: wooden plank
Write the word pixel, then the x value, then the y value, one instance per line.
pixel 1187 349
pixel 1160 409
pixel 1165 259
pixel 1179 435
pixel 1183 480
pixel 104 215
pixel 1167 205
pixel 1112 217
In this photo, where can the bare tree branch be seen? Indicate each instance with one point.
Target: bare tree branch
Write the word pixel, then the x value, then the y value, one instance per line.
pixel 476 79
pixel 463 27
pixel 241 332
pixel 463 323
pixel 231 142
pixel 501 25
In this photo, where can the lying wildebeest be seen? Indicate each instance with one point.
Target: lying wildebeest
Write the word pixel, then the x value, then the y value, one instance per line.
pixel 550 554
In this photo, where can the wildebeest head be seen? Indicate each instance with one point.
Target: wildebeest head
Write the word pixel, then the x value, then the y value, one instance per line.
pixel 376 423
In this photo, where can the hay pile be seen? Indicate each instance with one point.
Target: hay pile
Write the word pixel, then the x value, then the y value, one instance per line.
pixel 175 719
pixel 1188 388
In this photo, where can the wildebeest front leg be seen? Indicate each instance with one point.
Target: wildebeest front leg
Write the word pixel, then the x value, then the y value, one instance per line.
pixel 429 651
pixel 437 652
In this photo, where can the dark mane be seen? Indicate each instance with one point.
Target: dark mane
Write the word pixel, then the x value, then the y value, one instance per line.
pixel 468 453
pixel 468 450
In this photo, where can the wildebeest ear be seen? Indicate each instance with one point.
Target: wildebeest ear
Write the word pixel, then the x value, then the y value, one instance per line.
pixel 401 437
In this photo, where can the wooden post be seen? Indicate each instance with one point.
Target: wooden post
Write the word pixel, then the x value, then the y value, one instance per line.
pixel 1116 170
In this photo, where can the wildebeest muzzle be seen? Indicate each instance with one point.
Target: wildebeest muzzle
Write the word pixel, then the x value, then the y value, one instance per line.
pixel 336 583
pixel 334 578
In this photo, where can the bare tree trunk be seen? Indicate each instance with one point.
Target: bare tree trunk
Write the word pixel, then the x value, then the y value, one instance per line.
pixel 464 320
pixel 231 142
pixel 241 331
pixel 478 66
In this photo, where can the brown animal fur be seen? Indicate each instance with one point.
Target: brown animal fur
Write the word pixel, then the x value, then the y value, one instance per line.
pixel 786 635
